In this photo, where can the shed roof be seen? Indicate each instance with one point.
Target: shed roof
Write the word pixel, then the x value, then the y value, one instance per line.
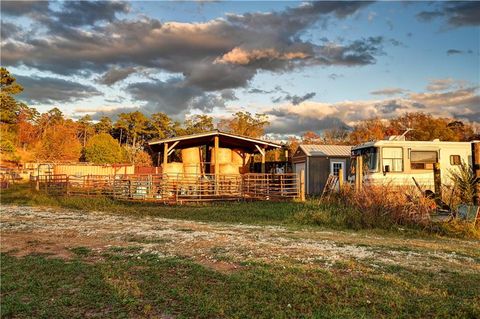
pixel 326 150
pixel 228 140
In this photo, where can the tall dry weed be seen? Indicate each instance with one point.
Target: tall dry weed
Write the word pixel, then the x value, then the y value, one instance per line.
pixel 383 204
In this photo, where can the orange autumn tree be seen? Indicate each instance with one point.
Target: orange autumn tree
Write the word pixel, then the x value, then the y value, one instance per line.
pixel 26 129
pixel 369 130
pixel 311 137
pixel 59 143
pixel 425 127
pixel 244 123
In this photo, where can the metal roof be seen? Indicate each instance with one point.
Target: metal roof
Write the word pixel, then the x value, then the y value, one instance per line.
pixel 434 143
pixel 226 140
pixel 326 150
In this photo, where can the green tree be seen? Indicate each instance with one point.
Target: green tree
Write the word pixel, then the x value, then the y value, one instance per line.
pixel 162 126
pixel 104 149
pixel 134 124
pixel 85 129
pixel 8 88
pixel 244 123
pixel 104 125
pixel 199 124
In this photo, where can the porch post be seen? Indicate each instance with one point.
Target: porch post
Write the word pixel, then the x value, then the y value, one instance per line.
pixel 165 154
pixel 215 151
pixel 263 160
pixel 216 143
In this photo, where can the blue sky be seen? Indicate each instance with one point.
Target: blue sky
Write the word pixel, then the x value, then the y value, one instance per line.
pixel 308 66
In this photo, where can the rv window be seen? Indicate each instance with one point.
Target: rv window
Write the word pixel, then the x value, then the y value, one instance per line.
pixel 393 157
pixel 455 160
pixel 370 158
pixel 423 159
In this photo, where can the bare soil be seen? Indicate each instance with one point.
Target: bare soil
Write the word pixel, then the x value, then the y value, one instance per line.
pixel 224 247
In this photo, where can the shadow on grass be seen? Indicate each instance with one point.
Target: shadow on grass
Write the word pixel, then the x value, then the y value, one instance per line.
pixel 148 286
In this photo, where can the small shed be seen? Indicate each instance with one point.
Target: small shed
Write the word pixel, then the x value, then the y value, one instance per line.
pixel 319 161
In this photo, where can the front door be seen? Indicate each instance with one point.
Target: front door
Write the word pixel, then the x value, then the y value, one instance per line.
pixel 336 165
pixel 298 168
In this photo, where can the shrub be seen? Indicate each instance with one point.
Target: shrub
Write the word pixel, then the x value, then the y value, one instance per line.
pixel 465 181
pixel 104 149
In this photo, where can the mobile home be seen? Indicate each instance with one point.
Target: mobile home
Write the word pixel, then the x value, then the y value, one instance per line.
pixel 397 161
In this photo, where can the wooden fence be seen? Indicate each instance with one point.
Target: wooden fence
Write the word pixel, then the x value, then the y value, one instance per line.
pixel 174 188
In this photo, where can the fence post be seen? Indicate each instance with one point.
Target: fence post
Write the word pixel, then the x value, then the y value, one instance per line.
pixel 66 185
pixel 437 180
pixel 359 173
pixel 340 178
pixel 302 185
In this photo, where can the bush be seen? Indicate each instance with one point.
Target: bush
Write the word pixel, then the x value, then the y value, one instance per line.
pixel 465 182
pixel 104 149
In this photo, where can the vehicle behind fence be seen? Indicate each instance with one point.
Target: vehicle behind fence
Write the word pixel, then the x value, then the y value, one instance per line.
pixel 170 188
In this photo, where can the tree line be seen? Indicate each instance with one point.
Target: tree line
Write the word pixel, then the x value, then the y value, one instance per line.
pixel 28 135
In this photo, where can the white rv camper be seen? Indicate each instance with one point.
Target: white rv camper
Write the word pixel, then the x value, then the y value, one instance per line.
pixel 395 161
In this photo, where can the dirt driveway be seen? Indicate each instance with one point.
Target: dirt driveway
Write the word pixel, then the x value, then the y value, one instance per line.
pixel 26 230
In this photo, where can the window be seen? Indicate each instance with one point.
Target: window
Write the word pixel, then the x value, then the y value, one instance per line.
pixel 393 158
pixel 455 160
pixel 370 157
pixel 336 166
pixel 423 159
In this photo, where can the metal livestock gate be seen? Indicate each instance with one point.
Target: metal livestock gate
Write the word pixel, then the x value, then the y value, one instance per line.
pixel 175 189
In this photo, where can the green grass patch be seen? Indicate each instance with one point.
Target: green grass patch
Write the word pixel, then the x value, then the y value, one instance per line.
pixel 81 251
pixel 128 286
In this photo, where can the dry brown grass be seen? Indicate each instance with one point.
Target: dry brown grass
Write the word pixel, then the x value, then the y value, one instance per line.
pixel 387 205
pixel 396 204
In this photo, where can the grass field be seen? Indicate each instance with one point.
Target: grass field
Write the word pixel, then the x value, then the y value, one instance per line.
pixel 148 286
pixel 76 257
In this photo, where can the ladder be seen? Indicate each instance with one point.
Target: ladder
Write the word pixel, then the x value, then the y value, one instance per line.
pixel 329 187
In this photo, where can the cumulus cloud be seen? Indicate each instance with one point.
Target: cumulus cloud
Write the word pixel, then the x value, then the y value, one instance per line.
pixel 463 103
pixel 466 97
pixel 78 13
pixel 175 97
pixel 244 57
pixel 9 30
pixel 291 123
pixel 215 55
pixel 21 8
pixel 388 91
pixel 455 13
pixel 115 75
pixel 44 90
pixel 295 99
pixel 71 13
pixel 445 84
